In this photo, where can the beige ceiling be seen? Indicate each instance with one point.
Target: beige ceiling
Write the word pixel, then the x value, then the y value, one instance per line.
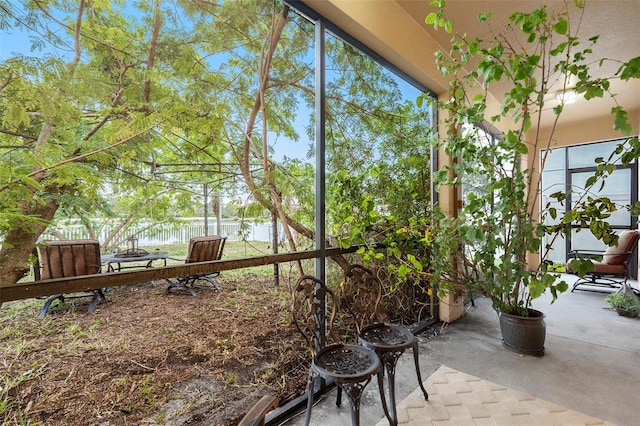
pixel 395 29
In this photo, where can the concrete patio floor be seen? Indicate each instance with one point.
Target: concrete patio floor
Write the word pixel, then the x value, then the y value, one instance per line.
pixel 591 362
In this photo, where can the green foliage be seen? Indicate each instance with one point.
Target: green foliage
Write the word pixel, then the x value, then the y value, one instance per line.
pixel 624 301
pixel 393 235
pixel 487 247
pixel 85 124
pixel 116 136
pixel 85 133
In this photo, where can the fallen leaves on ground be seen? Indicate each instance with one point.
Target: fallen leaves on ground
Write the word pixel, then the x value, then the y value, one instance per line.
pixel 147 357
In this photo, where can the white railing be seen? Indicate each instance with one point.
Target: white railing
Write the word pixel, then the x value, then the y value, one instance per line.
pixel 165 234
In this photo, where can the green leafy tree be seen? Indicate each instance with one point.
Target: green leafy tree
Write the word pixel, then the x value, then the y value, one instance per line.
pixel 485 248
pixel 92 117
pixel 130 109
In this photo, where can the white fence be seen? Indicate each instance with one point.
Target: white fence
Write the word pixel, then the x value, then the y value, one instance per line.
pixel 164 234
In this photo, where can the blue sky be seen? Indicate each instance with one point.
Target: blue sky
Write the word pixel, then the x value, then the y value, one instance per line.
pixel 12 43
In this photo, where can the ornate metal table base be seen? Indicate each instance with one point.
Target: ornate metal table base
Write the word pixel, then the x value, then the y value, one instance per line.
pixel 352 368
pixel 389 341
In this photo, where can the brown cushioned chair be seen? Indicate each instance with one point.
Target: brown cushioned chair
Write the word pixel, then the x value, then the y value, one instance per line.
pixel 201 249
pixel 613 271
pixel 70 258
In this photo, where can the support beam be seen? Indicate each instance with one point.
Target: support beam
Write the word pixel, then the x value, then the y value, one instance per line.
pixel 26 290
pixel 320 204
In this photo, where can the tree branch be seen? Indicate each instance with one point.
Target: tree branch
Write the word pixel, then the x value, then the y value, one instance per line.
pixel 157 24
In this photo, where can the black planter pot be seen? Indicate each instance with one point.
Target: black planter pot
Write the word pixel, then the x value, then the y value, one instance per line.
pixel 625 313
pixel 524 335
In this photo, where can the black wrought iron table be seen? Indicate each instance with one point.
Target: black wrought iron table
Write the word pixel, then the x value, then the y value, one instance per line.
pixel 114 262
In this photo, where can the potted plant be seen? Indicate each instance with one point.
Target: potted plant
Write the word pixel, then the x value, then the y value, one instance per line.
pixel 487 246
pixel 625 304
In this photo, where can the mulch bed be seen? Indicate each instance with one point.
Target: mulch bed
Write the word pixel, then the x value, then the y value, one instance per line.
pixel 145 357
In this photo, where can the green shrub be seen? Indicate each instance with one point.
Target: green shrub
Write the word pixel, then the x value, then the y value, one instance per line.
pixel 624 301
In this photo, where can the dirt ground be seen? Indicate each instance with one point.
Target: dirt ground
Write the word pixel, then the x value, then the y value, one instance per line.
pixel 148 358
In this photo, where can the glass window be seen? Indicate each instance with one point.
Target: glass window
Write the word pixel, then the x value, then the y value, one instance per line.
pixel 552 182
pixel 557 249
pixel 584 240
pixel 554 159
pixel 617 187
pixel 585 155
pixel 554 179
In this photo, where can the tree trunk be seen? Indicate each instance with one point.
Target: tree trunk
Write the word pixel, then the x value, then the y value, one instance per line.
pixel 20 242
pixel 274 203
